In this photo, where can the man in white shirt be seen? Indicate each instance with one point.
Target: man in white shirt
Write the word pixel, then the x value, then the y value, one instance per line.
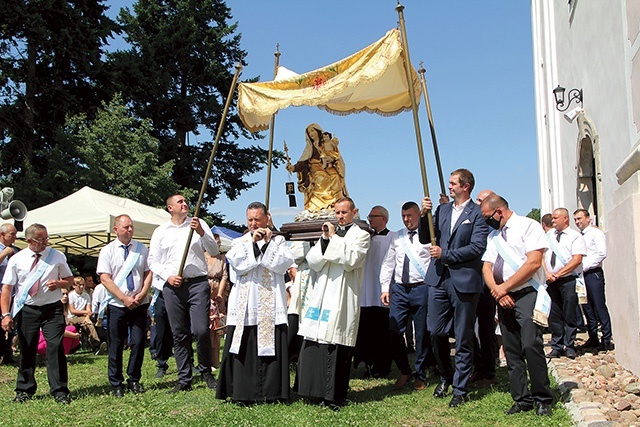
pixel 37 273
pixel 7 249
pixel 563 263
pixel 255 361
pixel 404 291
pixel 512 269
pixel 124 272
pixel 187 296
pixel 596 309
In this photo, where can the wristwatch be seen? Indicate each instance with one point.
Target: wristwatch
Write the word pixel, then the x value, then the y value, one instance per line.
pixel 5 315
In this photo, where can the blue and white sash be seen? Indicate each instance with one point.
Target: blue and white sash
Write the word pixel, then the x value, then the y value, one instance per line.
pixel 121 278
pixel 543 301
pixel 412 253
pixel 44 269
pixel 564 256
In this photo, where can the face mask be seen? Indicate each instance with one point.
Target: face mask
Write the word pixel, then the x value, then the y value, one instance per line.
pixel 492 222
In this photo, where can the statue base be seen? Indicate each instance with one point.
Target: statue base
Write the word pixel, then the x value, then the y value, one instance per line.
pixel 311 230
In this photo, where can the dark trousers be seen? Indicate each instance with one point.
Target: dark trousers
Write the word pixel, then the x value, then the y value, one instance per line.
pixel 126 325
pixel 484 360
pixel 523 347
pixel 406 301
pixel 188 310
pixel 596 309
pixel 50 319
pixel 450 309
pixel 562 320
pixel 162 338
pixel 374 341
pixel 294 341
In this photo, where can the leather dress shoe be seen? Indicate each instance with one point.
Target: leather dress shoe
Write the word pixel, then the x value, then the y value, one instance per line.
pixel 136 387
pixel 418 384
pixel 570 353
pixel 543 409
pixel 179 387
pixel 518 407
pixel 62 398
pixel 441 389
pixel 22 397
pixel 605 346
pixel 554 354
pixel 402 381
pixel 590 343
pixel 457 400
pixel 210 380
pixel 118 392
pixel 162 371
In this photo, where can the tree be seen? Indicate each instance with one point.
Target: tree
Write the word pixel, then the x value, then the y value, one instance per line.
pixel 534 214
pixel 177 73
pixel 117 154
pixel 50 65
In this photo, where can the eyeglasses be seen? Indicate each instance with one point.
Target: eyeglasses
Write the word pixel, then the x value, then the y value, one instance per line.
pixel 491 216
pixel 41 241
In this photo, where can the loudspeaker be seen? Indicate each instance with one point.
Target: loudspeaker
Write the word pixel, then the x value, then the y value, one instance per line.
pixel 14 210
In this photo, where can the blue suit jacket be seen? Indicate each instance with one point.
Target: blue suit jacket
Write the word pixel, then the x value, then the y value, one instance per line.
pixel 462 248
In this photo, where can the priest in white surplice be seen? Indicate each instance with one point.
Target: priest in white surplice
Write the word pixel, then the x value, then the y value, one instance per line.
pixel 330 322
pixel 255 362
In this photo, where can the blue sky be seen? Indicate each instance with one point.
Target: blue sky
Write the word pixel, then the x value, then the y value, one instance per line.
pixel 478 57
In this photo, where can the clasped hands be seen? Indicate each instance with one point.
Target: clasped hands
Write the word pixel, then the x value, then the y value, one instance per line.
pixel 501 295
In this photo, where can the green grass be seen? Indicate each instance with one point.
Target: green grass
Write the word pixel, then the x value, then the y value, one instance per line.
pixel 371 403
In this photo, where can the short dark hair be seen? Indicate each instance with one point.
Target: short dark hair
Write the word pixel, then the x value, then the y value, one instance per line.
pixel 495 201
pixel 258 205
pixel 584 211
pixel 465 177
pixel 410 205
pixel 346 199
pixel 547 219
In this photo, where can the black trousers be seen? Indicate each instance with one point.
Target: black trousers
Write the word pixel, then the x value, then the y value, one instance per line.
pixel 162 338
pixel 120 321
pixel 484 358
pixel 188 310
pixel 523 346
pixel 562 320
pixel 50 319
pixel 596 309
pixel 373 345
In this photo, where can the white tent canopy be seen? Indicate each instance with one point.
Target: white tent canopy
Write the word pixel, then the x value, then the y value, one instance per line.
pixel 82 223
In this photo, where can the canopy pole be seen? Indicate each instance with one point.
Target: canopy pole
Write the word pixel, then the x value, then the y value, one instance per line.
pixel 432 128
pixel 271 130
pixel 207 174
pixel 416 120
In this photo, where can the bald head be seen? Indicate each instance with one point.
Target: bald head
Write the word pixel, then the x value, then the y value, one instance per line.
pixel 560 218
pixel 8 234
pixel 483 195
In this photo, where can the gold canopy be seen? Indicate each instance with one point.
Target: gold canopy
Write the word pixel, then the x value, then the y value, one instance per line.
pixel 371 80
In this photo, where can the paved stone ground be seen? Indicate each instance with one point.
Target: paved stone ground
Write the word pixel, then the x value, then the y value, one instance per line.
pixel 596 390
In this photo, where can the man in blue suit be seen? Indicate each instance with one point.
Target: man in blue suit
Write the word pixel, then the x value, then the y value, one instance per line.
pixel 455 278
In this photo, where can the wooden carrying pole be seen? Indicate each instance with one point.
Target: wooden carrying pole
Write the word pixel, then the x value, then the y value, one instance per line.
pixel 416 120
pixel 207 174
pixel 271 130
pixel 432 128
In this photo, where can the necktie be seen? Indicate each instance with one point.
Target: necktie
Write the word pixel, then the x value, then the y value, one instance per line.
pixel 498 267
pixel 553 254
pixel 36 285
pixel 405 263
pixel 130 276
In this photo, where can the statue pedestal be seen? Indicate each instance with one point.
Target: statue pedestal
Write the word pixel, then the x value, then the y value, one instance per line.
pixel 311 230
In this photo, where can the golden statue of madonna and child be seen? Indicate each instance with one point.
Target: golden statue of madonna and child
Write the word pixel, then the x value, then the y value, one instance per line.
pixel 321 174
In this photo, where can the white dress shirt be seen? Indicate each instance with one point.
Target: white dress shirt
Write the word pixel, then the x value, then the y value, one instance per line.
pixel 393 262
pixel 167 246
pixel 596 244
pixel 573 242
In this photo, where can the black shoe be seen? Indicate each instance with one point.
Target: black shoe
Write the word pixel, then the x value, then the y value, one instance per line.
pixel 457 400
pixel 570 353
pixel 118 392
pixel 605 346
pixel 210 380
pixel 554 354
pixel 136 387
pixel 62 398
pixel 9 360
pixel 543 409
pixel 518 407
pixel 180 387
pixel 162 371
pixel 21 397
pixel 590 343
pixel 441 389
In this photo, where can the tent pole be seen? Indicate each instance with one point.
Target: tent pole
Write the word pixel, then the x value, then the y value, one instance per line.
pixel 207 174
pixel 271 130
pixel 416 120
pixel 432 128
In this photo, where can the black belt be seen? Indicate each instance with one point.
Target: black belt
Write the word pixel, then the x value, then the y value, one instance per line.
pixel 523 291
pixel 187 280
pixel 594 270
pixel 412 285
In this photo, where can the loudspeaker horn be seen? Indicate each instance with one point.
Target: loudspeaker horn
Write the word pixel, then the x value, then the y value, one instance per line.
pixel 14 210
